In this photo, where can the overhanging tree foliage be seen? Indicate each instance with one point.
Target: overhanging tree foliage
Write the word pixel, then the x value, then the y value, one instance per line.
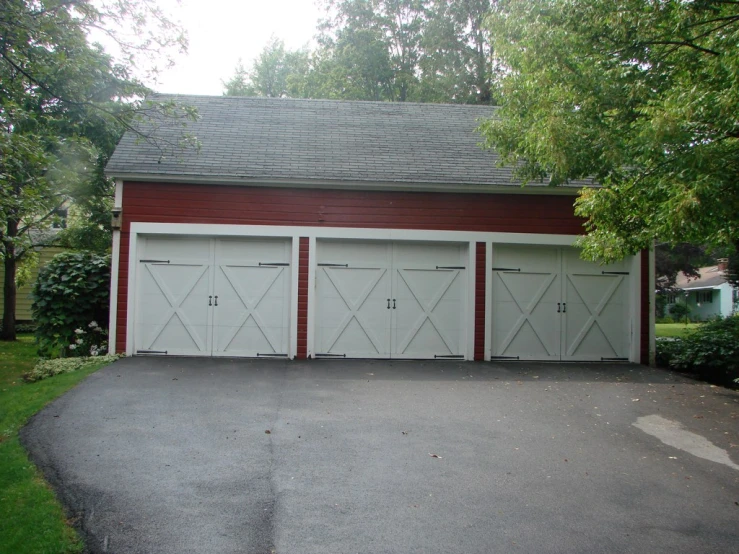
pixel 63 105
pixel 641 95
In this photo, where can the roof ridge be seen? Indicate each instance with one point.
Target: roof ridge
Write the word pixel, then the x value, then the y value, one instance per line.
pixel 324 100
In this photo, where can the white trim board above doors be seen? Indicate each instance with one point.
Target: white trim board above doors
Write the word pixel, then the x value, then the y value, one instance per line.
pixel 377 299
pixel 548 304
pixel 199 296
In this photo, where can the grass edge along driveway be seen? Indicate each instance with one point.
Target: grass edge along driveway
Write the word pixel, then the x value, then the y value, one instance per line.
pixel 31 518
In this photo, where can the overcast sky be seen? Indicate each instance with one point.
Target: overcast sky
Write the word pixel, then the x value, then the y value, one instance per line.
pixel 222 31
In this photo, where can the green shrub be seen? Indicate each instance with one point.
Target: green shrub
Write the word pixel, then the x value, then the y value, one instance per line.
pixel 667 347
pixel 665 319
pixel 711 351
pixel 70 303
pixel 48 368
pixel 680 312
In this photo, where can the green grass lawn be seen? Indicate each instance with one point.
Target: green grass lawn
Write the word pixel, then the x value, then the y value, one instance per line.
pixel 674 329
pixel 31 518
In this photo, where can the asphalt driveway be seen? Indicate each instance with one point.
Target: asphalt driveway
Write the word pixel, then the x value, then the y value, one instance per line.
pixel 225 456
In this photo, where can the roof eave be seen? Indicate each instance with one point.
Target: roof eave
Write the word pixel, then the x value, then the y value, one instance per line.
pixel 707 287
pixel 402 186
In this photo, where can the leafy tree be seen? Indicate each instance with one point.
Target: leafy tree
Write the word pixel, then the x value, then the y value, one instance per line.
pixel 63 105
pixel 382 50
pixel 671 260
pixel 240 84
pixel 275 73
pixel 376 43
pixel 457 60
pixel 641 96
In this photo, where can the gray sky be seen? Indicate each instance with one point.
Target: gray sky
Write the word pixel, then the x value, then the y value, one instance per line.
pixel 222 31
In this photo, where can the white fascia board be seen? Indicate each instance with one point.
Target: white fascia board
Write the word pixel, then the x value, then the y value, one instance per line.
pixel 399 186
pixel 488 301
pixel 312 267
pixel 133 241
pixel 114 268
pixel 118 199
pixel 294 276
pixel 349 233
pixel 471 274
pixel 691 289
pixel 113 307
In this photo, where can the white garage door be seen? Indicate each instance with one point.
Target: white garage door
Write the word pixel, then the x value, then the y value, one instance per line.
pixel 219 297
pixel 390 300
pixel 548 304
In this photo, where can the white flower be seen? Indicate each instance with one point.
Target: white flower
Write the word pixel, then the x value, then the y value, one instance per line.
pixel 79 341
pixel 93 325
pixel 79 332
pixel 72 346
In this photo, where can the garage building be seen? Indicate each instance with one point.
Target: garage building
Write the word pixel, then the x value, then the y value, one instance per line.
pixel 327 229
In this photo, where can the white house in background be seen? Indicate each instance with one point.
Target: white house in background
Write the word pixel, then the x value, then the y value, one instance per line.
pixel 708 296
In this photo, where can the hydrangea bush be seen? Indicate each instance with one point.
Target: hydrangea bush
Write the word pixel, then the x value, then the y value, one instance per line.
pixel 92 341
pixel 70 305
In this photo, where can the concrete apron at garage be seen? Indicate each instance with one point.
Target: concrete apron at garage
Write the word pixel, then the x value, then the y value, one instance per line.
pixel 223 455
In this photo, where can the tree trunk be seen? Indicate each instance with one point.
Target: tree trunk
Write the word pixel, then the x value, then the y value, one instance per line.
pixel 9 288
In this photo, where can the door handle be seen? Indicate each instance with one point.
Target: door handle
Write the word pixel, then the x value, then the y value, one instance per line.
pixel 393 303
pixel 564 307
pixel 388 303
pixel 216 304
pixel 559 307
pixel 210 300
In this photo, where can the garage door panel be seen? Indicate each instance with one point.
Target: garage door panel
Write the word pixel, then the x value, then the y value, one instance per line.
pixel 254 250
pixel 206 296
pixel 429 319
pixel 367 254
pixel 181 249
pixel 591 343
pixel 252 315
pixel 582 315
pixel 352 315
pixel 172 314
pixel 534 259
pixel 355 339
pixel 528 343
pixel 359 282
pixel 526 289
pixel 178 338
pixel 409 255
pixel 597 322
pixel 249 339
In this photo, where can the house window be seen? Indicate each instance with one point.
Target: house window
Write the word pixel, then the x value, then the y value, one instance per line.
pixel 671 298
pixel 704 296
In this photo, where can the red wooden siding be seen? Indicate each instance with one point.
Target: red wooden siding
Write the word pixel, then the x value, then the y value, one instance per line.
pixel 168 203
pixel 303 267
pixel 218 204
pixel 480 274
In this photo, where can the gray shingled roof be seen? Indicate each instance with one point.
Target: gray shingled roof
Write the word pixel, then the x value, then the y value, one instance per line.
pixel 710 277
pixel 247 140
